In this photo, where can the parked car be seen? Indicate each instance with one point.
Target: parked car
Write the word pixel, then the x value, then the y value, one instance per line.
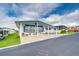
pixel 1 37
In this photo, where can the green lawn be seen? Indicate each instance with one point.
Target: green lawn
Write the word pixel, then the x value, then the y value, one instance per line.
pixel 68 33
pixel 11 39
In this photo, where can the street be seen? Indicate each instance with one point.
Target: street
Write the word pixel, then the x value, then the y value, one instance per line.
pixel 61 46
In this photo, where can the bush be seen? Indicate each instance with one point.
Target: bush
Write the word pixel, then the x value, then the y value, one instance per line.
pixel 63 31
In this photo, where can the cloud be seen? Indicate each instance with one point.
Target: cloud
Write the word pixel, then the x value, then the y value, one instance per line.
pixel 8 22
pixel 25 11
pixel 67 19
pixel 5 20
pixel 34 11
pixel 37 10
pixel 31 11
pixel 55 18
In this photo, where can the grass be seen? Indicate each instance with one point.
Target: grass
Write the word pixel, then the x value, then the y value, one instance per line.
pixel 68 33
pixel 11 39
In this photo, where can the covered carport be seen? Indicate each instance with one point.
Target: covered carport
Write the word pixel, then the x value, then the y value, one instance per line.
pixel 33 30
pixel 3 32
pixel 33 27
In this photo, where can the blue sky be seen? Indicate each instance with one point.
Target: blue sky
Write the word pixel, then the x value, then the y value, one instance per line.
pixel 64 8
pixel 62 13
pixel 61 9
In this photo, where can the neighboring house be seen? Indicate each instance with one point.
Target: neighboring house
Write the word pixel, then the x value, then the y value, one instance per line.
pixel 77 27
pixel 11 31
pixel 3 33
pixel 60 28
pixel 34 27
pixel 73 29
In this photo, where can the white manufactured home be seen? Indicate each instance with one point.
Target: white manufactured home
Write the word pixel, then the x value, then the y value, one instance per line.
pixel 33 30
pixel 3 32
pixel 34 27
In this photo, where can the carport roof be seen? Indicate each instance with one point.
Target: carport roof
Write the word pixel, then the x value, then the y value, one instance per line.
pixel 18 21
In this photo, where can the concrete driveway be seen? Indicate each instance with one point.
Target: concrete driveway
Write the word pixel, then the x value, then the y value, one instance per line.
pixel 39 37
pixel 61 46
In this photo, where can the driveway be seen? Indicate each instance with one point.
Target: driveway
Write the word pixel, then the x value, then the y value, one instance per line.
pixel 61 46
pixel 39 37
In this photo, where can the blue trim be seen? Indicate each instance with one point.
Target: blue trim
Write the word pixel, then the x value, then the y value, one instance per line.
pixel 27 21
pixel 33 25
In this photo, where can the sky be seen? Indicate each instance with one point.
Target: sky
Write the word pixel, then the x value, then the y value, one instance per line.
pixel 53 13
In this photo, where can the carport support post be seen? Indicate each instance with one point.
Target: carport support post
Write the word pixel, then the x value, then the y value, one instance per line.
pixel 44 29
pixel 48 30
pixel 56 31
pixel 3 33
pixel 21 29
pixel 37 28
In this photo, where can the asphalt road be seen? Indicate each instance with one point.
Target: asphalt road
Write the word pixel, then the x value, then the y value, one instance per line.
pixel 61 46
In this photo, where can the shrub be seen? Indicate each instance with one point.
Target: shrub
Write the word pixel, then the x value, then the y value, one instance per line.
pixel 63 31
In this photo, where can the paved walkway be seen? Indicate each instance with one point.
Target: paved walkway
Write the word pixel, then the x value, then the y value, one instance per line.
pixel 61 46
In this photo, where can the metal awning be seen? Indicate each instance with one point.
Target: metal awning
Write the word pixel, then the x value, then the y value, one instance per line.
pixel 32 22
